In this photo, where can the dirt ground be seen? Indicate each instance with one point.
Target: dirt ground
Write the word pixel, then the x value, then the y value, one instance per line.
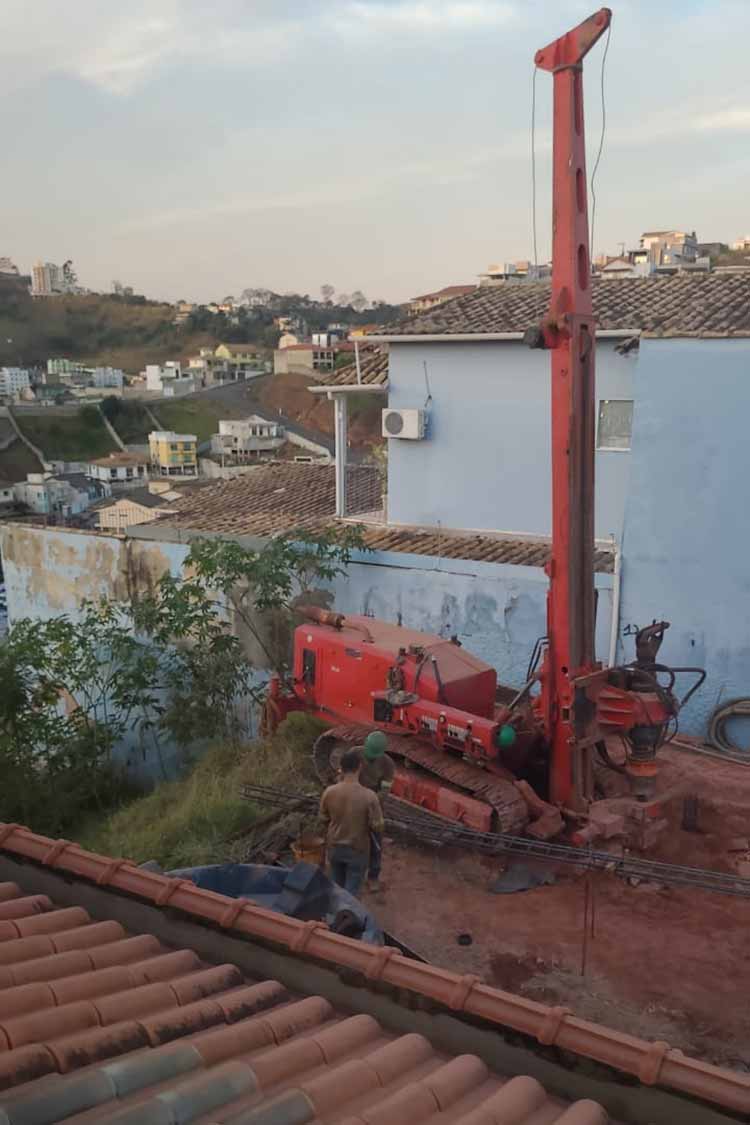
pixel 664 963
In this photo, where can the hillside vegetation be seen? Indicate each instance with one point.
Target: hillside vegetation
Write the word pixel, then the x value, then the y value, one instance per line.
pixel 99 330
pixel 203 818
pixel 67 437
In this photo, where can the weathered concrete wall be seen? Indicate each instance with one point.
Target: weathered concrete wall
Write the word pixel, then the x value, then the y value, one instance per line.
pixel 485 463
pixel 687 528
pixel 497 611
pixel 50 571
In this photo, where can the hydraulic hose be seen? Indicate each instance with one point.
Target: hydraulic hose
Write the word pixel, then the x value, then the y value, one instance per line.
pixel 717 735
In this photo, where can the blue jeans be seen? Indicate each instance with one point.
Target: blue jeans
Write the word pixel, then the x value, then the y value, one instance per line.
pixel 348 868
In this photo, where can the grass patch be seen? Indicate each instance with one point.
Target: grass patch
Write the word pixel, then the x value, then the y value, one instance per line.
pixel 199 416
pixel 68 437
pixel 202 818
pixel 17 461
pixel 129 419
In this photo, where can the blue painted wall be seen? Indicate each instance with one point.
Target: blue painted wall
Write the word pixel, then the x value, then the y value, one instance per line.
pixel 497 611
pixel 686 543
pixel 485 464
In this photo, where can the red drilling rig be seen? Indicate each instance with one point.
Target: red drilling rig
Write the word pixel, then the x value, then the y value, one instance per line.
pixel 492 759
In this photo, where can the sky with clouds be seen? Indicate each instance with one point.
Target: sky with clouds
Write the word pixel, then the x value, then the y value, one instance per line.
pixel 193 149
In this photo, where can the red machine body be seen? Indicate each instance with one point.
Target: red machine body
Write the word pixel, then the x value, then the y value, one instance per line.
pixel 372 672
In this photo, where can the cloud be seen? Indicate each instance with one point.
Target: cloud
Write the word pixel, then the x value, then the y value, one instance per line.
pixel 118 48
pixel 729 119
pixel 366 18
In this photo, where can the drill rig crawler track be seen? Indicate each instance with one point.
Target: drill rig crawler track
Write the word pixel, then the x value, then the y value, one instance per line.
pixel 510 813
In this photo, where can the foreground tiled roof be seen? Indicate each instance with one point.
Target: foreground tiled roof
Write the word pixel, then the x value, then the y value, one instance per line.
pixel 373 366
pixel 277 497
pixel 478 548
pixel 100 1025
pixel 683 304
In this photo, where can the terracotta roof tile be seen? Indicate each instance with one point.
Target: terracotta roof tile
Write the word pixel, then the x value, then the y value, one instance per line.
pixel 373 368
pixel 164 1038
pixel 276 498
pixel 281 498
pixel 683 304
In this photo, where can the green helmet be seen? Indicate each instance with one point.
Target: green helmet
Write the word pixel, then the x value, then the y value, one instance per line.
pixel 376 745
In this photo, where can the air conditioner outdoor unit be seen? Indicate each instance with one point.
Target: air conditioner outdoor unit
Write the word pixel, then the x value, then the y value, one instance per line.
pixel 404 424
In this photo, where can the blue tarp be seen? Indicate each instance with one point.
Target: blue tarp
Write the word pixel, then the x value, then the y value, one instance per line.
pixel 302 891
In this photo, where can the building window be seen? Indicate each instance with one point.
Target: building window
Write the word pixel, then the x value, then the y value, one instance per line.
pixel 615 423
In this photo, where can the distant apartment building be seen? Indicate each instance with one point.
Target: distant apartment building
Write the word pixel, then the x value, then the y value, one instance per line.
pixel 668 251
pixel 14 381
pixel 118 471
pixel 172 454
pixel 50 280
pixel 168 379
pixel 521 270
pixel 107 377
pixel 248 439
pixel 65 368
pixel 429 301
pixel 71 371
pixel 742 243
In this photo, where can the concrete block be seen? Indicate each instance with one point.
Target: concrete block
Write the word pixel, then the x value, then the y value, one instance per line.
pixel 607 823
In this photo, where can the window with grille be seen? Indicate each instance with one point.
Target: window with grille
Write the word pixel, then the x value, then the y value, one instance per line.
pixel 615 423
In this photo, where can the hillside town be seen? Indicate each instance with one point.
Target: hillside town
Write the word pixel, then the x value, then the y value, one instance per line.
pixel 375 671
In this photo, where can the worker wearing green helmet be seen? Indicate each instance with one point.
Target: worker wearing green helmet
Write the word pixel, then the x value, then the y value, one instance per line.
pixel 377 774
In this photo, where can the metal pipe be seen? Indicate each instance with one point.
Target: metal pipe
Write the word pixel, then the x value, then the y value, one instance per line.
pixel 614 628
pixel 340 420
pixel 356 361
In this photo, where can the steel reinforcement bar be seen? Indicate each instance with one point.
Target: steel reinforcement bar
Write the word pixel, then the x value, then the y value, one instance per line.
pixel 405 819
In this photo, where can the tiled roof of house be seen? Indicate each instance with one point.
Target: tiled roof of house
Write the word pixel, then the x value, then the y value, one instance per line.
pixel 476 547
pixel 240 349
pixel 683 304
pixel 97 1024
pixel 140 496
pixel 282 497
pixel 277 497
pixel 373 366
pixel 120 459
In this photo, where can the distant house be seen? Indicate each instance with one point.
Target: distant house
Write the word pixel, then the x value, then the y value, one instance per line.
pixel 173 454
pixel 168 379
pixel 118 471
pixel 14 381
pixel 523 270
pixel 248 439
pixel 617 267
pixel 226 363
pixel 7 499
pixel 431 300
pixel 139 506
pixel 304 359
pixel 47 495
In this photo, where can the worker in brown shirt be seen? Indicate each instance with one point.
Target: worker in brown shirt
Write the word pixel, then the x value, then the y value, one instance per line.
pixel 350 813
pixel 377 773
